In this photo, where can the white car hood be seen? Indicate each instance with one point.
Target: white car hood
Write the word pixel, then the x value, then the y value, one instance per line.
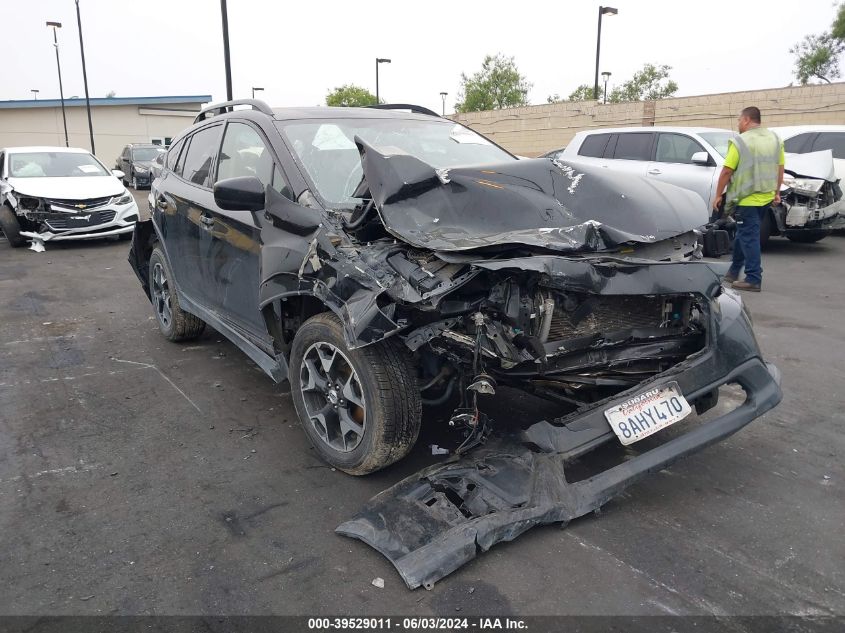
pixel 811 165
pixel 73 188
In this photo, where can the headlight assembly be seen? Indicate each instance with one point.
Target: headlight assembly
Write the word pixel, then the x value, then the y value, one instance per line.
pixel 124 198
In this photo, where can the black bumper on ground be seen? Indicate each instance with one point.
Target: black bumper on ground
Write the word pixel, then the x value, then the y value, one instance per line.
pixel 431 523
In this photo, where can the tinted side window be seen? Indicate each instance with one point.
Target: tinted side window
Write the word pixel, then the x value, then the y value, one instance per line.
pixel 833 141
pixel 2 162
pixel 180 161
pixel 244 154
pixel 797 144
pixel 594 145
pixel 173 155
pixel 676 148
pixel 200 154
pixel 634 146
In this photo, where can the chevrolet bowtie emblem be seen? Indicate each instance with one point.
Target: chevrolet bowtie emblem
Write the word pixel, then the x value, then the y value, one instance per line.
pixel 80 206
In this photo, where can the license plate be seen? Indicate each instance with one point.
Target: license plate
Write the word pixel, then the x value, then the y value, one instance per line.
pixel 647 413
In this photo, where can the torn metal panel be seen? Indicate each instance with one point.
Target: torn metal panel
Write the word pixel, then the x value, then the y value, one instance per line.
pixel 540 203
pixel 432 523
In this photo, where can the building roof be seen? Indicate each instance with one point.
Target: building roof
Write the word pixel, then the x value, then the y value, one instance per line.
pixel 108 101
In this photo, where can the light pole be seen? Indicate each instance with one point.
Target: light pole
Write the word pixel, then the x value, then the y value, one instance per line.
pixel 443 97
pixel 602 11
pixel 253 91
pixel 379 60
pixel 226 60
pixel 58 25
pixel 35 92
pixel 605 75
pixel 85 77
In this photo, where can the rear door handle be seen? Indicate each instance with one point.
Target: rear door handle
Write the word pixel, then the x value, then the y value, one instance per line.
pixel 655 172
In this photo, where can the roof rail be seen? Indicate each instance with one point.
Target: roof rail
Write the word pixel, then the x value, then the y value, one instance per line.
pixel 405 106
pixel 229 106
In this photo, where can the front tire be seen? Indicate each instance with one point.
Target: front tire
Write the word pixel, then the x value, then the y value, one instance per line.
pixel 11 227
pixel 359 408
pixel 174 323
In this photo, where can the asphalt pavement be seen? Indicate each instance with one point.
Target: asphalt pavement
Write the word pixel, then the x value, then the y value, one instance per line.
pixel 139 476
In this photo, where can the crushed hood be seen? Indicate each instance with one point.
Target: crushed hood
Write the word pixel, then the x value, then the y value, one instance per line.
pixel 562 206
pixel 811 165
pixel 71 188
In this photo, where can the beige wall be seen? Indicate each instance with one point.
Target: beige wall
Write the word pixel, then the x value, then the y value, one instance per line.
pixel 114 126
pixel 535 130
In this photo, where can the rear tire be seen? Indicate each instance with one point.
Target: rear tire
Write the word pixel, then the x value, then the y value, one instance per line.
pixel 359 408
pixel 807 237
pixel 174 323
pixel 11 227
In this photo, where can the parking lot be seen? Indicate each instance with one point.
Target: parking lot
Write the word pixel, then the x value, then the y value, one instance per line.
pixel 141 476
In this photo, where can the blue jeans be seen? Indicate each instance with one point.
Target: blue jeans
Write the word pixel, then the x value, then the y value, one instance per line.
pixel 747 243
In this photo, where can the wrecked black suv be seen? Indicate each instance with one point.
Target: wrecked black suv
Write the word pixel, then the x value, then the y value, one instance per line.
pixel 381 260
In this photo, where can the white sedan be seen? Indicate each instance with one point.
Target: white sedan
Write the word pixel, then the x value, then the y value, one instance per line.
pixel 60 193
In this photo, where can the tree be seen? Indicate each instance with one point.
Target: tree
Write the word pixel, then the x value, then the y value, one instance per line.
pixel 555 98
pixel 582 93
pixel 837 31
pixel 350 96
pixel 497 85
pixel 650 83
pixel 817 56
pixel 110 94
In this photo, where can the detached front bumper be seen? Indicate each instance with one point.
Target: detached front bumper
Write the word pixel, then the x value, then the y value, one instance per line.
pixel 104 222
pixel 431 523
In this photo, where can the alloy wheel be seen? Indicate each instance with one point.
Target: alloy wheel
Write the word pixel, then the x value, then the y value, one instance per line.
pixel 333 397
pixel 161 295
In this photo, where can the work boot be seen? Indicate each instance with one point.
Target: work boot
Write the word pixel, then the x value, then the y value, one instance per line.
pixel 729 278
pixel 745 285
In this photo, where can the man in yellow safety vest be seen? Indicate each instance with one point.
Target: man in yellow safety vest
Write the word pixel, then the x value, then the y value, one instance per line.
pixel 753 174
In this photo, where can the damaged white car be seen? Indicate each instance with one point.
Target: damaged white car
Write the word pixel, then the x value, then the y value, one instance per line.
pixel 61 193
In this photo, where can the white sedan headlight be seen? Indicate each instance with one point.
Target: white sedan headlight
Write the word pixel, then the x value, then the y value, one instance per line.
pixel 806 186
pixel 124 198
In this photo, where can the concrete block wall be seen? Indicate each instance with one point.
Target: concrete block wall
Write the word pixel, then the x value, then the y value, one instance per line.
pixel 535 130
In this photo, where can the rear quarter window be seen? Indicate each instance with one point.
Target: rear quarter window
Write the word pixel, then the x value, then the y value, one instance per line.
pixel 593 145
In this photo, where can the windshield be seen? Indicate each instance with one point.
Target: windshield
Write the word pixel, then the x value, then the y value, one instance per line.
pixel 54 165
pixel 719 141
pixel 146 153
pixel 327 149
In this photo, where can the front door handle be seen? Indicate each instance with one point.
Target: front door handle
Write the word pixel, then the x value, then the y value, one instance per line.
pixel 655 172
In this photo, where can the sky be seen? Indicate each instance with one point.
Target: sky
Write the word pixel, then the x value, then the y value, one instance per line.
pixel 299 51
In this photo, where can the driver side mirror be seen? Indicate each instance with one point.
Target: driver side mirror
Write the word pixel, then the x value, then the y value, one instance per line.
pixel 244 193
pixel 118 174
pixel 700 158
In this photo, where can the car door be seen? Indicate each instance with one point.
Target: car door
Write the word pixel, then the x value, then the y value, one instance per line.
pixel 629 152
pixel 231 259
pixel 124 161
pixel 673 164
pixel 184 201
pixel 834 141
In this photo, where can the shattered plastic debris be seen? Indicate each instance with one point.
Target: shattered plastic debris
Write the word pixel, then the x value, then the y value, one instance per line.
pixel 378 582
pixel 437 450
pixel 37 241
pixel 570 173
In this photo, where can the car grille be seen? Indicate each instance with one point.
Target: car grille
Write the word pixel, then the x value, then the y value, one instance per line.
pixel 79 205
pixel 609 313
pixel 62 221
